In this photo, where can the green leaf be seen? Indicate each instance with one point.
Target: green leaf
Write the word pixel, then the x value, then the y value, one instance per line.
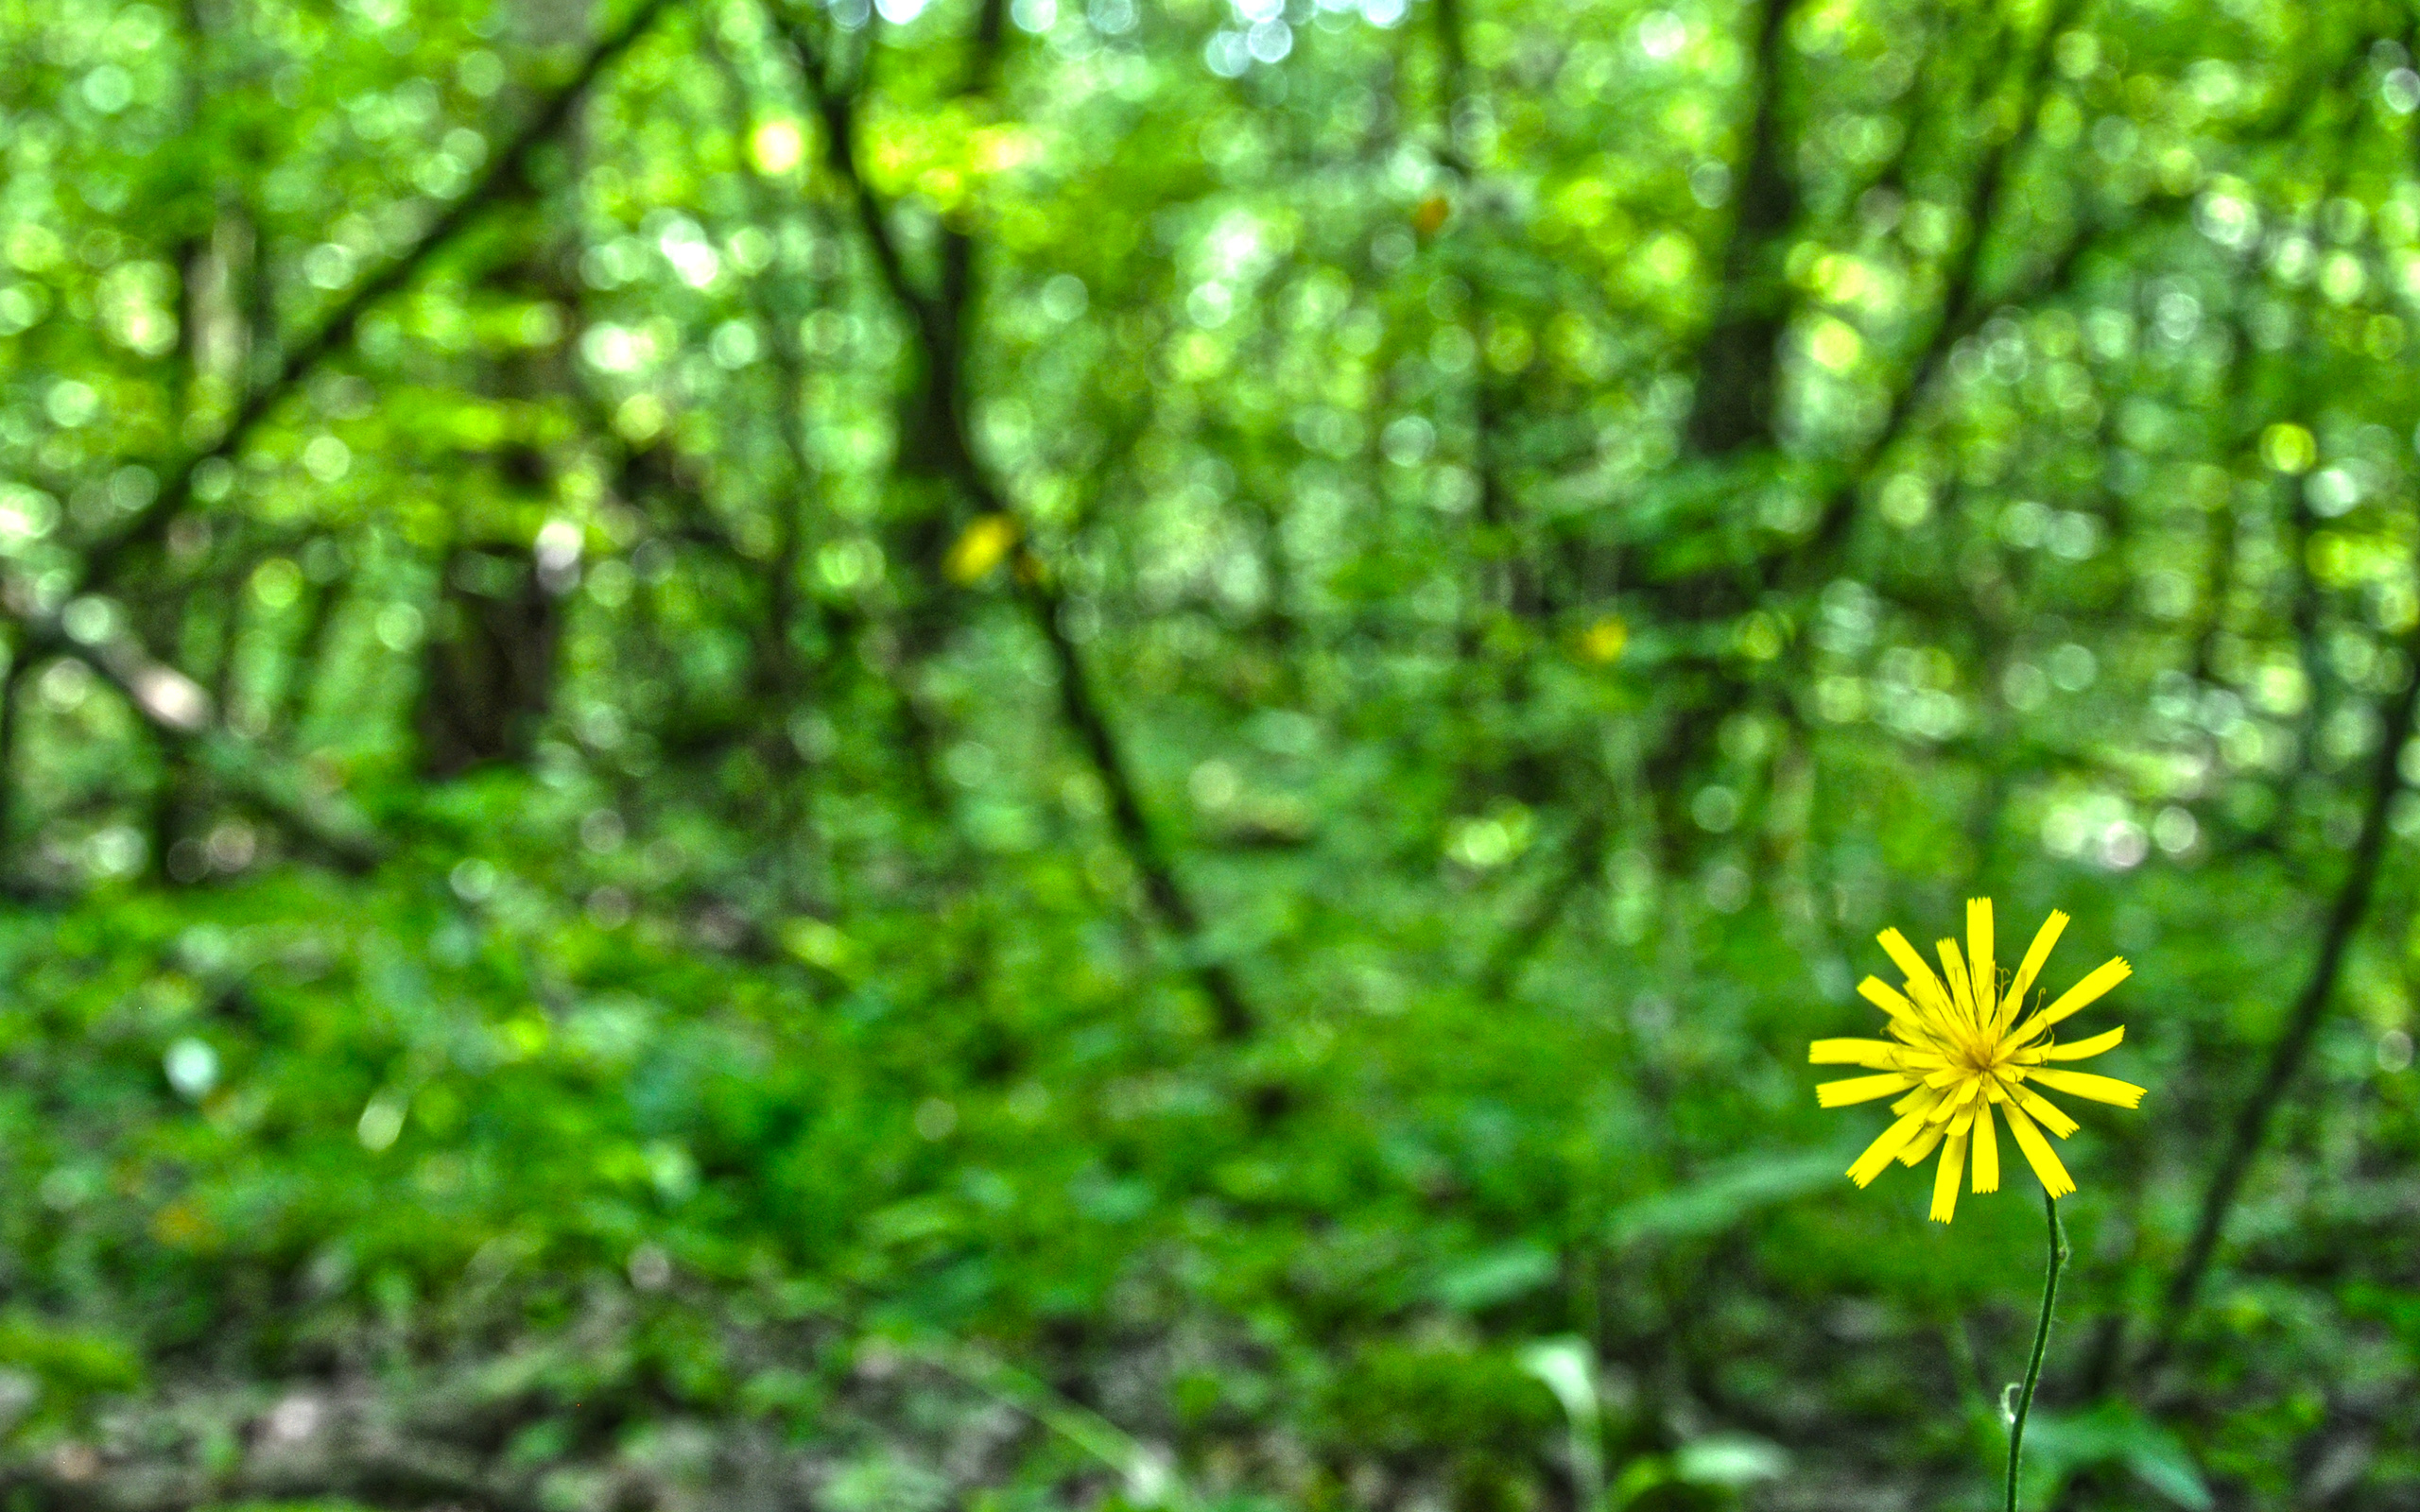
pixel 2112 1433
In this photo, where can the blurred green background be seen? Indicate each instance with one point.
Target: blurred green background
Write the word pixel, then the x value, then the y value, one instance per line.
pixel 1010 755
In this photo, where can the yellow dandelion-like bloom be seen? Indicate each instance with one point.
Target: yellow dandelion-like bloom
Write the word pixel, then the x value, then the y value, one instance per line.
pixel 1959 1052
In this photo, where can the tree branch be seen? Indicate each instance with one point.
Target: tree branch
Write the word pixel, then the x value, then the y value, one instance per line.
pixel 172 704
pixel 1961 298
pixel 938 317
pixel 1732 407
pixel 335 331
pixel 181 713
pixel 939 322
pixel 1711 594
pixel 2286 1057
pixel 1148 855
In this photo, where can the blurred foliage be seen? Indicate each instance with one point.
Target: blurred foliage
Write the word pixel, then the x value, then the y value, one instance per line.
pixel 997 754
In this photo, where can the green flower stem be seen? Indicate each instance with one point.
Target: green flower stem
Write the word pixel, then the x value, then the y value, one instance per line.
pixel 2059 1253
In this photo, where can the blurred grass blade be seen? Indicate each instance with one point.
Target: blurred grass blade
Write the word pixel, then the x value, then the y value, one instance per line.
pixel 1724 1196
pixel 1495 1276
pixel 1567 1369
pixel 1150 1472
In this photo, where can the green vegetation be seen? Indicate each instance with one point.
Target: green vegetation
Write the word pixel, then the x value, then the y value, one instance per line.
pixel 1002 754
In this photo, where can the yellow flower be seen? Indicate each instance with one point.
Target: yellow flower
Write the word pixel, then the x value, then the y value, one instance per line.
pixel 1603 642
pixel 980 548
pixel 1959 1052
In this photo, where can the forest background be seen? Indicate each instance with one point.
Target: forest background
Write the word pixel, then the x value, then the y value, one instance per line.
pixel 1002 754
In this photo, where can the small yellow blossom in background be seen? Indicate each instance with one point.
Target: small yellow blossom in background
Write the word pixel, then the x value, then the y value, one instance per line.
pixel 1959 1052
pixel 776 146
pixel 1603 642
pixel 980 548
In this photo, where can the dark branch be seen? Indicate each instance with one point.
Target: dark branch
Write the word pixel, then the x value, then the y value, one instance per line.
pixel 179 712
pixel 1961 298
pixel 335 331
pixel 1144 849
pixel 2286 1057
pixel 1732 405
pixel 940 320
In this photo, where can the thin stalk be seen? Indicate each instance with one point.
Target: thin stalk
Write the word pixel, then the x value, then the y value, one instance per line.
pixel 2041 1342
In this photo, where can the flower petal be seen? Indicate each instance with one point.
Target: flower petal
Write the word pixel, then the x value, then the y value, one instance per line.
pixel 2035 955
pixel 1921 1099
pixel 2038 1153
pixel 1888 997
pixel 1861 1089
pixel 1922 1146
pixel 2084 1084
pixel 1987 1152
pixel 2051 1115
pixel 1979 959
pixel 1945 1180
pixel 1961 990
pixel 1879 1154
pixel 1925 987
pixel 1879 1055
pixel 2085 1049
pixel 2104 976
